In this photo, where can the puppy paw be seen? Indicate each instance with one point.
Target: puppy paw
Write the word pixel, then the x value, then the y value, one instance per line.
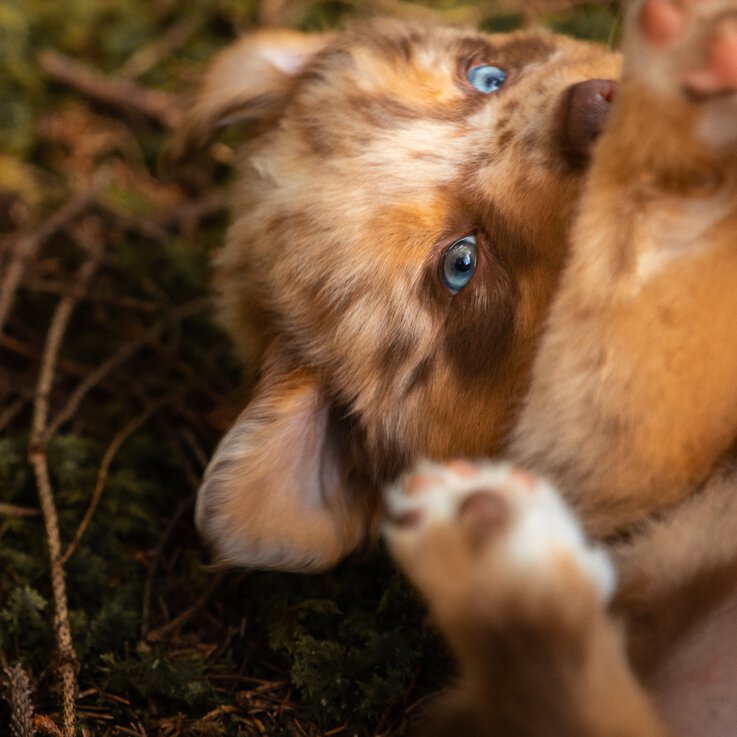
pixel 685 45
pixel 488 538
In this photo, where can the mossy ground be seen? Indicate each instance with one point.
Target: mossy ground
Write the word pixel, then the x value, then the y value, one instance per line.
pixel 144 385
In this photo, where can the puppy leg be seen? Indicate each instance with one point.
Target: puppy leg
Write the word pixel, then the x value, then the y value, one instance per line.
pixel 678 598
pixel 521 597
pixel 633 397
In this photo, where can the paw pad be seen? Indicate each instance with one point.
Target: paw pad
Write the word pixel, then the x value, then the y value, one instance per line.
pixel 719 73
pixel 662 21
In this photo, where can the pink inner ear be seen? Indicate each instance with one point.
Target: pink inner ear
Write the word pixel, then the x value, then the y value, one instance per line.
pixel 248 81
pixel 290 54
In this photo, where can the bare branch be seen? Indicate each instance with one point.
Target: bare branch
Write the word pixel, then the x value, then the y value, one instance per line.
pixel 46 726
pixel 11 510
pixel 10 412
pixel 163 107
pixel 127 430
pixel 38 458
pixel 25 249
pixel 179 621
pixel 119 357
pixel 149 56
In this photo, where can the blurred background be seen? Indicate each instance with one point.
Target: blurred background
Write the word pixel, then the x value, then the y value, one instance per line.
pixel 115 385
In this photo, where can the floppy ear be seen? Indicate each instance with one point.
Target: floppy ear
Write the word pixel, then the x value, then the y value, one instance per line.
pixel 246 82
pixel 274 494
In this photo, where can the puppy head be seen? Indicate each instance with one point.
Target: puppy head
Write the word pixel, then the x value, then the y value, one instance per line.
pixel 400 224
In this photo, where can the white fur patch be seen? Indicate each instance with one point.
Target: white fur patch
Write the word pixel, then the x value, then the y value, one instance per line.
pixel 678 227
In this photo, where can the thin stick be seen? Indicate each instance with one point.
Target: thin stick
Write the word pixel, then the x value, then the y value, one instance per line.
pixel 112 449
pixel 149 56
pixel 11 510
pixel 8 414
pixel 162 632
pixel 37 457
pixel 119 357
pixel 156 557
pixel 163 107
pixel 46 726
pixel 26 248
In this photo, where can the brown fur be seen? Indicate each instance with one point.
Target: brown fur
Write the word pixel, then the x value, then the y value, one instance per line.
pixel 369 156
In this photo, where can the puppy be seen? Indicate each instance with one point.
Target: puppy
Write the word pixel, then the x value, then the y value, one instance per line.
pixel 401 220
pixel 632 411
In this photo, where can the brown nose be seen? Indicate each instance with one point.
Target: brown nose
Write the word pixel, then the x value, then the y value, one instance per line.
pixel 585 110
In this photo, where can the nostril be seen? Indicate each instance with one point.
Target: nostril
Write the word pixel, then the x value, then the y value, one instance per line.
pixel 585 111
pixel 608 89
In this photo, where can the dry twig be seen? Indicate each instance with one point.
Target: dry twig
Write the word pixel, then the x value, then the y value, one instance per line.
pixel 11 510
pixel 182 507
pixel 46 726
pixel 161 633
pixel 9 413
pixel 127 430
pixel 122 94
pixel 125 352
pixel 37 456
pixel 26 247
pixel 149 56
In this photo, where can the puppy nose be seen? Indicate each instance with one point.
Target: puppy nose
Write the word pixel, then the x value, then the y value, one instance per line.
pixel 585 110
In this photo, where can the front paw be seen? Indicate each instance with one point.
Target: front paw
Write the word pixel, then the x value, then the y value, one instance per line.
pixel 684 46
pixel 486 540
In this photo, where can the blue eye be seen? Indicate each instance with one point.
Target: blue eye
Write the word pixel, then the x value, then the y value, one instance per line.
pixel 459 263
pixel 486 78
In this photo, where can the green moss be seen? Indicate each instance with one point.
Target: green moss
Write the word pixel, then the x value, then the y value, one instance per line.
pixel 154 674
pixel 352 639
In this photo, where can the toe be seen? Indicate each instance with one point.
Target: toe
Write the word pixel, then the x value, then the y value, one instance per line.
pixel 662 21
pixel 719 73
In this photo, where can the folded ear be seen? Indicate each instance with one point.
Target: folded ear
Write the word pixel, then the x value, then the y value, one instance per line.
pixel 275 493
pixel 248 81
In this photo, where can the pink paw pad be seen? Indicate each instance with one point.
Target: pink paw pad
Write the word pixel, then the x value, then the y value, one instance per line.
pixel 719 73
pixel 662 21
pixel 709 27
